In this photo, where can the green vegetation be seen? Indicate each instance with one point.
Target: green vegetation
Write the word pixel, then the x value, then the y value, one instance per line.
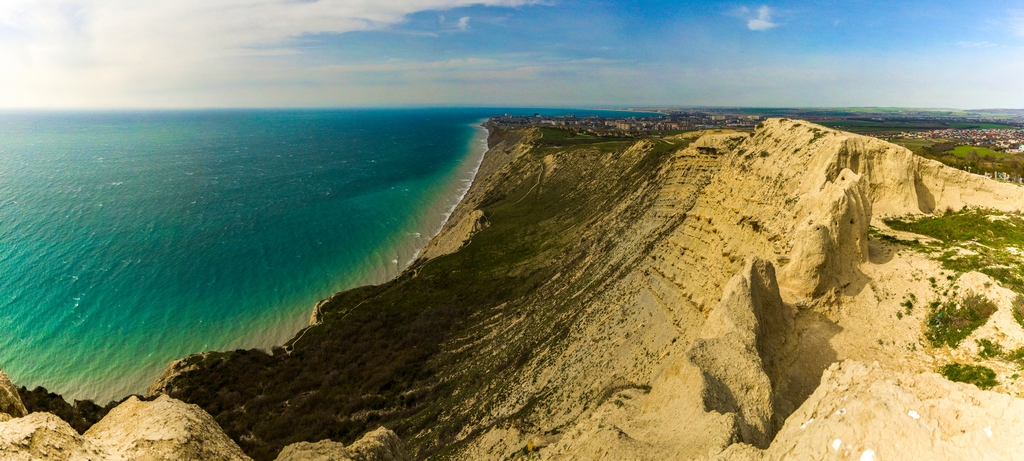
pixel 981 126
pixel 410 353
pixel 980 376
pixel 967 158
pixel 922 146
pixel 875 233
pixel 949 323
pixel 882 127
pixel 81 415
pixel 973 239
pixel 1015 356
pixel 892 125
pixel 553 137
pixel 966 151
pixel 988 349
pixel 1018 309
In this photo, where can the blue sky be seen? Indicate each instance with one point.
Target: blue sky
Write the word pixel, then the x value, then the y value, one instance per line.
pixel 274 53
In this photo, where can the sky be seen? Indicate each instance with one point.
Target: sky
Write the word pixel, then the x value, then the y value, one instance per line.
pixel 383 53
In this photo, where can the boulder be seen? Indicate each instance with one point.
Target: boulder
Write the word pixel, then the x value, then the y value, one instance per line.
pixel 10 400
pixel 43 436
pixel 379 445
pixel 163 429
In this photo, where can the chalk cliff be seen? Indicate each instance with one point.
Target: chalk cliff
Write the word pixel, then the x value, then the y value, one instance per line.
pixel 792 194
pixel 718 296
pixel 135 430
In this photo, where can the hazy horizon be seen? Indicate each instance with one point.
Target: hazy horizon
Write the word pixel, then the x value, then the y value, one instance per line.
pixel 192 54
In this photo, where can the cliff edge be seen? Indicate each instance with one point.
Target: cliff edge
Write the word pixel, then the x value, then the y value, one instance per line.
pixel 678 298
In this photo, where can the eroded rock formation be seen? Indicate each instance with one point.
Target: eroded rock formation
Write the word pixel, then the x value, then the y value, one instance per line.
pixel 867 412
pixel 10 400
pixel 135 430
pixel 379 445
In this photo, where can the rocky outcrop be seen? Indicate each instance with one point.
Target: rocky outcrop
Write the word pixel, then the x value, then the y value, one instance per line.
pixel 722 390
pixel 162 385
pixel 867 412
pixel 10 400
pixel 134 430
pixel 832 241
pixel 793 193
pixel 457 235
pixel 163 429
pixel 738 342
pixel 43 436
pixel 379 445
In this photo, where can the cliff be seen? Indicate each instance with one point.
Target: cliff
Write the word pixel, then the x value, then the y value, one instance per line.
pixel 716 296
pixel 161 429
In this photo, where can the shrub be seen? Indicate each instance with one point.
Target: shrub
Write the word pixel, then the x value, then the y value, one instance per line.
pixel 980 376
pixel 988 349
pixel 909 306
pixel 1016 356
pixel 1018 309
pixel 950 323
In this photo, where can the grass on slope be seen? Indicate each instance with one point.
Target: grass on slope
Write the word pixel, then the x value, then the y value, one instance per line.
pixel 379 357
pixel 975 240
pixel 980 376
pixel 950 323
pixel 987 241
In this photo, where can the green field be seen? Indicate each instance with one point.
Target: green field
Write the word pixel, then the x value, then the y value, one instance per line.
pixel 963 151
pixel 884 127
pixel 881 127
pixel 915 144
pixel 981 126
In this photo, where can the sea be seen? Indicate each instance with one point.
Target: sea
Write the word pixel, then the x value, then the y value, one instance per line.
pixel 129 239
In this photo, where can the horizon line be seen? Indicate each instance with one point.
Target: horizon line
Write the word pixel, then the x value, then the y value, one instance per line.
pixel 607 107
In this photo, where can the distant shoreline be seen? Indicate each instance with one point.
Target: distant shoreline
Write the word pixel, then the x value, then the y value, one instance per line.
pixel 480 142
pixel 384 264
pixel 408 249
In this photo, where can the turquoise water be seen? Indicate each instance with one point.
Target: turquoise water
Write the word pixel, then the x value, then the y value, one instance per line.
pixel 129 239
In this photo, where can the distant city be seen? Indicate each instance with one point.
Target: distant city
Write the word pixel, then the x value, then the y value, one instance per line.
pixel 1002 140
pixel 641 124
pixel 1001 131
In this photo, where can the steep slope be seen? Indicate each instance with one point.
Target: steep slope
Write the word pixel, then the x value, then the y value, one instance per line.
pixel 802 196
pixel 10 401
pixel 440 354
pixel 594 300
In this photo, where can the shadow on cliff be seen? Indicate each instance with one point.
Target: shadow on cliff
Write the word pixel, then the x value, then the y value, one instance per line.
pixel 810 356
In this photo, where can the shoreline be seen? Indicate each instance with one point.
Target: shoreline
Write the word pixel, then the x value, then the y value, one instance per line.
pixel 478 148
pixel 377 268
pixel 479 138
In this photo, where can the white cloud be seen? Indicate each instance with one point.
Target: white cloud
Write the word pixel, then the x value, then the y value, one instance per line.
pixel 978 44
pixel 763 21
pixel 56 52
